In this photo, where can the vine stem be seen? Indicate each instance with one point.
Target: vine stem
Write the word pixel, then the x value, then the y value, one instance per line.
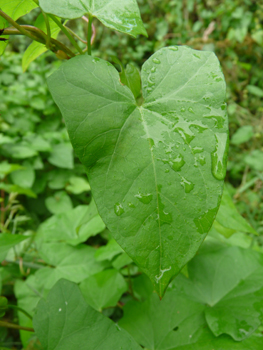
pixel 67 33
pixel 57 44
pixel 76 35
pixel 2 207
pixel 17 26
pixel 48 29
pixel 20 309
pixel 93 29
pixel 15 326
pixel 89 34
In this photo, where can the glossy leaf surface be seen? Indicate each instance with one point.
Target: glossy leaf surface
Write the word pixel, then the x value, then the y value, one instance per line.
pixel 221 298
pixel 157 170
pixel 65 321
pixel 123 15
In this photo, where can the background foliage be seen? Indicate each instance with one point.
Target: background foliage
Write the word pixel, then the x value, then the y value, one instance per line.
pixel 45 195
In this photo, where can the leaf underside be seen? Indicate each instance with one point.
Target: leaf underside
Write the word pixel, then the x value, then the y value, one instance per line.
pixel 156 171
pixel 123 16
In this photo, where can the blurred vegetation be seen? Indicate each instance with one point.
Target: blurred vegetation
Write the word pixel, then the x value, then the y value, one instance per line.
pixel 41 177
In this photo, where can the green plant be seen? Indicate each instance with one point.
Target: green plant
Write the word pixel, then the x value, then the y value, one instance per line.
pixel 156 160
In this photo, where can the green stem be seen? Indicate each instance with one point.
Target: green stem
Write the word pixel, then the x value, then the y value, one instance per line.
pixel 19 309
pixel 17 26
pixel 57 44
pixel 27 264
pixel 89 34
pixel 76 35
pixel 66 32
pixel 48 29
pixel 15 326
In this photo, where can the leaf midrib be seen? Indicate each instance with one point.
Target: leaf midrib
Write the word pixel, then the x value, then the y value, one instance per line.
pixel 156 189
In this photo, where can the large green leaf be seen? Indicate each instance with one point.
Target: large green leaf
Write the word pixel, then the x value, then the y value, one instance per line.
pixel 157 170
pixel 65 321
pixel 123 15
pixel 221 298
pixel 8 241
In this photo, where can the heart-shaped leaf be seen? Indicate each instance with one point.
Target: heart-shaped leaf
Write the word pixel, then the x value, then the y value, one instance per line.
pixel 123 15
pixel 156 170
pixel 65 321
pixel 219 303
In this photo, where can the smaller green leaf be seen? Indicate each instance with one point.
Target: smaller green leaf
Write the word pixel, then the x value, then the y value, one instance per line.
pixel 123 16
pixel 121 261
pixel 64 322
pixel 108 251
pixel 58 178
pixel 255 90
pixel 142 287
pixel 73 263
pixel 17 189
pixel 62 156
pixel 6 139
pixel 28 294
pixel 24 177
pixel 103 289
pixel 7 168
pixel 20 151
pixel 60 202
pixel 238 239
pixel 130 77
pixel 8 241
pixel 38 143
pixel 77 185
pixel 228 219
pixel 14 9
pixel 243 134
pixel 74 226
pixel 17 8
pixel 255 160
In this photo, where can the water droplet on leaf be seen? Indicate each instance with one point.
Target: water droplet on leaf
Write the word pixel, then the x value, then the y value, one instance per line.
pixel 156 60
pixel 118 209
pixel 187 185
pixel 219 156
pixel 144 198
